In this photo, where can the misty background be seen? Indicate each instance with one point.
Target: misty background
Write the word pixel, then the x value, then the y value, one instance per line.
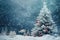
pixel 21 14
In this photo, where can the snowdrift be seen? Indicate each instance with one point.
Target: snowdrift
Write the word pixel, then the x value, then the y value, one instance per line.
pixel 20 37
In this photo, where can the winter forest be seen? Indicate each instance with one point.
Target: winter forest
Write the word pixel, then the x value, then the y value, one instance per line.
pixel 30 18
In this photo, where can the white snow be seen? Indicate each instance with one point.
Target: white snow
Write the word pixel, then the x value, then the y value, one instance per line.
pixel 20 37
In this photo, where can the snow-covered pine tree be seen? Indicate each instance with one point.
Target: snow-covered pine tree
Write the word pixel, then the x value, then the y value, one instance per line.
pixel 44 22
pixel 12 34
pixel 4 31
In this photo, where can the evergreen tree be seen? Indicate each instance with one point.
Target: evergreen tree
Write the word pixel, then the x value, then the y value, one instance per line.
pixel 44 22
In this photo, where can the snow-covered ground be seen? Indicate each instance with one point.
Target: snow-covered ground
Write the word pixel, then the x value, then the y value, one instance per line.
pixel 20 37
